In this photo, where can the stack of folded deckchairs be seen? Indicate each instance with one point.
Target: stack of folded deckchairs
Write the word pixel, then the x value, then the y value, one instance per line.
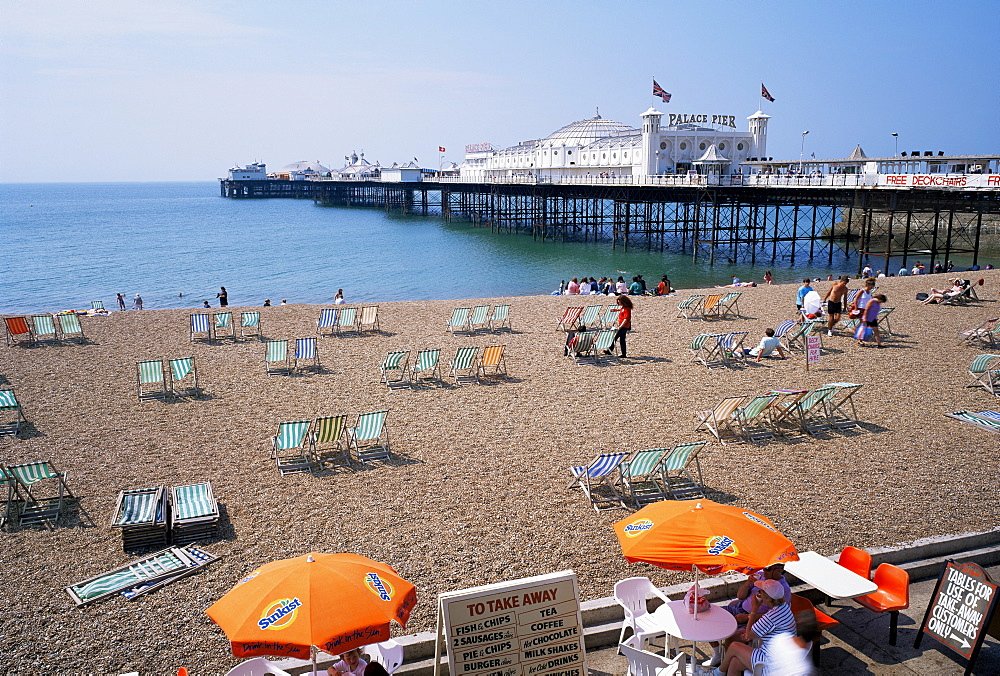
pixel 141 515
pixel 194 513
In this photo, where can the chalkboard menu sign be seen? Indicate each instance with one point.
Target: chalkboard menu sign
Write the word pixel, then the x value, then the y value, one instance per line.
pixel 527 627
pixel 961 610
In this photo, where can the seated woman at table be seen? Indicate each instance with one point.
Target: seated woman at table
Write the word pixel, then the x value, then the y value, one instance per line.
pixel 350 664
pixel 771 627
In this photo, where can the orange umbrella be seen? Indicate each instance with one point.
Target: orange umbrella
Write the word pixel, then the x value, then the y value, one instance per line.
pixel 679 534
pixel 334 602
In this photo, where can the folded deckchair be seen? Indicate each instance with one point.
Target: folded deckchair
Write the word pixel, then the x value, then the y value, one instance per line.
pixel 721 418
pixel 368 321
pixel 985 374
pixel 369 439
pixel 347 321
pixel 729 305
pixel 610 319
pixel 600 479
pixel 836 405
pixel 150 379
pixel 985 333
pixel 44 328
pixel 328 319
pixel 459 320
pixel 570 319
pixel 183 377
pixel 465 367
pixel 500 318
pixel 201 327
pixel 307 354
pixel 194 513
pixel 289 447
pixel 591 316
pixel 426 367
pixel 10 410
pixel 276 359
pixel 18 331
pixel 710 306
pixel 706 349
pixel 493 359
pixel 141 515
pixel 328 441
pixel 480 318
pixel 97 305
pixel 641 476
pixel 223 323
pixel 990 423
pixel 581 347
pixel 676 473
pixel 142 575
pixel 393 369
pixel 689 306
pixel 250 324
pixel 752 420
pixel 69 325
pixel 40 508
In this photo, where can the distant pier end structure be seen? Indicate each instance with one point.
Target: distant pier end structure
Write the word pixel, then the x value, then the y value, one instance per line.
pixel 694 185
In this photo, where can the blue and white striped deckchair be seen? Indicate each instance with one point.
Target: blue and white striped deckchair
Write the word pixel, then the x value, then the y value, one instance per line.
pixel 200 324
pixel 459 320
pixel 276 360
pixel 13 416
pixel 368 319
pixel 731 346
pixel 676 472
pixel 395 363
pixel 141 514
pixel 97 305
pixel 464 367
pixel 328 319
pixel 180 383
pixel 250 324
pixel 500 318
pixel 347 321
pixel 44 328
pixel 370 438
pixel 990 423
pixel 69 325
pixel 600 480
pixel 289 447
pixel 45 509
pixel 306 353
pixel 479 319
pixel 641 476
pixel 195 513
pixel 426 367
pixel 150 380
pixel 223 323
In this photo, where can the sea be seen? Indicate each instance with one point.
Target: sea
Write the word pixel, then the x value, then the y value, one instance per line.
pixel 176 244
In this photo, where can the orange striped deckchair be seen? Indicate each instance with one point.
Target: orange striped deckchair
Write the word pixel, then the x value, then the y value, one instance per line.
pixel 18 330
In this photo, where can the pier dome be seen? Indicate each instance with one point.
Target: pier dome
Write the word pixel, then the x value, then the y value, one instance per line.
pixel 584 132
pixel 299 167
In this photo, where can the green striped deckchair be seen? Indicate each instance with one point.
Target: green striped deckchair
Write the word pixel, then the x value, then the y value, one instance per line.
pixel 223 324
pixel 836 406
pixel 368 321
pixel 459 320
pixel 195 513
pixel 591 316
pixel 141 515
pixel 276 359
pixel 812 409
pixel 40 508
pixel 706 349
pixel 195 558
pixel 13 416
pixel 289 448
pixel 464 367
pixel 582 346
pixel 426 367
pixel 985 333
pixel 688 307
pixel 500 318
pixel 640 475
pixel 604 342
pixel 8 486
pixel 983 422
pixel 150 380
pixel 97 305
pixel 327 442
pixel 479 319
pixel 44 328
pixel 249 324
pixel 180 384
pixel 328 319
pixel 984 373
pixel 729 306
pixel 347 320
pixel 610 318
pixel 795 339
pixel 395 363
pixel 370 438
pixel 752 420
pixel 676 473
pixel 69 325
pixel 200 324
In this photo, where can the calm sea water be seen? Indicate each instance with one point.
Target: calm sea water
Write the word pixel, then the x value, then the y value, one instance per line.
pixel 70 243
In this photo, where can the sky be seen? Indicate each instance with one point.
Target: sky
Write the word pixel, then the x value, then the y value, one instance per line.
pixel 135 90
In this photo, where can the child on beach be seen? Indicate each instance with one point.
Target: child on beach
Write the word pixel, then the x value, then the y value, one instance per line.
pixel 350 663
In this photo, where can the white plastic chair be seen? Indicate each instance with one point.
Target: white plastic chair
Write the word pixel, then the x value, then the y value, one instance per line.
pixel 258 666
pixel 644 663
pixel 387 653
pixel 631 594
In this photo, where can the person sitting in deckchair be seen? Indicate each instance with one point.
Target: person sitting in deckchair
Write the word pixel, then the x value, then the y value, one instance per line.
pixel 768 344
pixel 937 295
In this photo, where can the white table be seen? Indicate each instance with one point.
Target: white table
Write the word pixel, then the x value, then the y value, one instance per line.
pixel 829 577
pixel 714 624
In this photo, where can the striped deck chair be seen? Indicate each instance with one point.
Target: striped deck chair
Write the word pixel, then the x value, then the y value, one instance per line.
pixel 11 411
pixel 426 367
pixel 591 316
pixel 480 318
pixel 610 318
pixel 812 410
pixel 721 419
pixel 604 342
pixel 289 447
pixel 150 380
pixel 194 513
pixel 600 480
pixel 676 473
pixel 581 346
pixel 328 319
pixel 689 306
pixel 183 377
pixel 8 487
pixel 223 324
pixel 459 320
pixel 641 476
pixel 347 321
pixel 97 305
pixel 328 441
pixel 18 331
pixel 493 358
pixel 795 339
pixel 849 300
pixel 276 359
pixel 705 349
pixel 369 439
pixel 984 420
pixel 836 405
pixel 44 328
pixel 201 327
pixel 500 318
pixel 729 305
pixel 250 324
pixel 570 319
pixel 710 306
pixel 69 325
pixel 731 346
pixel 752 418
pixel 985 333
pixel 306 352
pixel 368 320
pixel 141 515
pixel 782 329
pixel 883 319
pixel 985 374
pixel 393 369
pixel 465 366
pixel 37 508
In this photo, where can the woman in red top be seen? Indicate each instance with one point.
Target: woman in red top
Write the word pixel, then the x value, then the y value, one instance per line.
pixel 624 323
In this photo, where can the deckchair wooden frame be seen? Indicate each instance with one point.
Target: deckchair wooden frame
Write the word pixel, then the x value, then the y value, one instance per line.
pixel 985 374
pixel 493 358
pixel 428 360
pixel 11 505
pixel 306 351
pixel 642 475
pixel 368 319
pixel 330 429
pixel 676 473
pixel 500 318
pixel 183 372
pixel 17 328
pixel 250 324
pixel 200 322
pixel 10 405
pixel 570 319
pixel 202 524
pixel 721 416
pixel 44 325
pixel 35 509
pixel 369 439
pixel 984 333
pixel 223 321
pixel 479 318
pixel 459 320
pixel 603 473
pixel 146 380
pixel 276 352
pixel 689 306
pixel 464 368
pixel 328 319
pixel 69 325
pixel 290 447
pixel 395 362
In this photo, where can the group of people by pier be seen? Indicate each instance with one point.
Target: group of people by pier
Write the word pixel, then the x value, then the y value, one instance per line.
pixel 609 286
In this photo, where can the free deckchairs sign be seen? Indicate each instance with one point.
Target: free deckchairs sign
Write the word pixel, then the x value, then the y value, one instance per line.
pixel 961 609
pixel 527 627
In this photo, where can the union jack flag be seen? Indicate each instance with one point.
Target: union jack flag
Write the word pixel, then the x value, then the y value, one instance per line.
pixel 766 94
pixel 658 91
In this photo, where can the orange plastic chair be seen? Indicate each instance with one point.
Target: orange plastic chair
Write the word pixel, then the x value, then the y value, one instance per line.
pixel 803 608
pixel 857 561
pixel 893 595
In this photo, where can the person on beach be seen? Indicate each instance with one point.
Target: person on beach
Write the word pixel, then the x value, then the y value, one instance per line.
pixel 621 287
pixel 339 298
pixel 350 663
pixel 284 302
pixel 121 302
pixel 663 288
pixel 835 303
pixel 223 297
pixel 766 626
pixel 267 302
pixel 562 287
pixel 768 344
pixel 635 288
pixel 376 669
pixel 642 283
pixel 137 302
pixel 767 277
pixel 800 296
pixel 206 304
pixel 573 287
pixel 861 300
pixel 938 295
pixel 624 325
pixel 870 320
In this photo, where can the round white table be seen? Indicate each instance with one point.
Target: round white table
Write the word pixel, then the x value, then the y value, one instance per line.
pixel 715 624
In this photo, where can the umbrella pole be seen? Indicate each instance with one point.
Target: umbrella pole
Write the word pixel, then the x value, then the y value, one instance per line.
pixel 694 569
pixel 312 655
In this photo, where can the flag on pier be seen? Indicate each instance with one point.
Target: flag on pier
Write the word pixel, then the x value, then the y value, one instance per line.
pixel 766 94
pixel 440 149
pixel 658 91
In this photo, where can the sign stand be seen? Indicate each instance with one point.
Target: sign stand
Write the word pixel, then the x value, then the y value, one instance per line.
pixel 813 346
pixel 961 611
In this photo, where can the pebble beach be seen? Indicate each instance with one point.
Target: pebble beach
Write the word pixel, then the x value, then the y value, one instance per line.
pixel 476 489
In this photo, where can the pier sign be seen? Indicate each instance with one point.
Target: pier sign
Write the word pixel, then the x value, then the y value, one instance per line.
pixel 961 610
pixel 526 627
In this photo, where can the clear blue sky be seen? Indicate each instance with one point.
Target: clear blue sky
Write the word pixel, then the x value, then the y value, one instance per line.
pixel 182 90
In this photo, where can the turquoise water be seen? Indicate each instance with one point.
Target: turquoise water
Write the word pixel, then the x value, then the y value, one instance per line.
pixel 67 244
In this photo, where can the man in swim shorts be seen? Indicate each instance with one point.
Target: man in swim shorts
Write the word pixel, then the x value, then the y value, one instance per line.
pixel 835 303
